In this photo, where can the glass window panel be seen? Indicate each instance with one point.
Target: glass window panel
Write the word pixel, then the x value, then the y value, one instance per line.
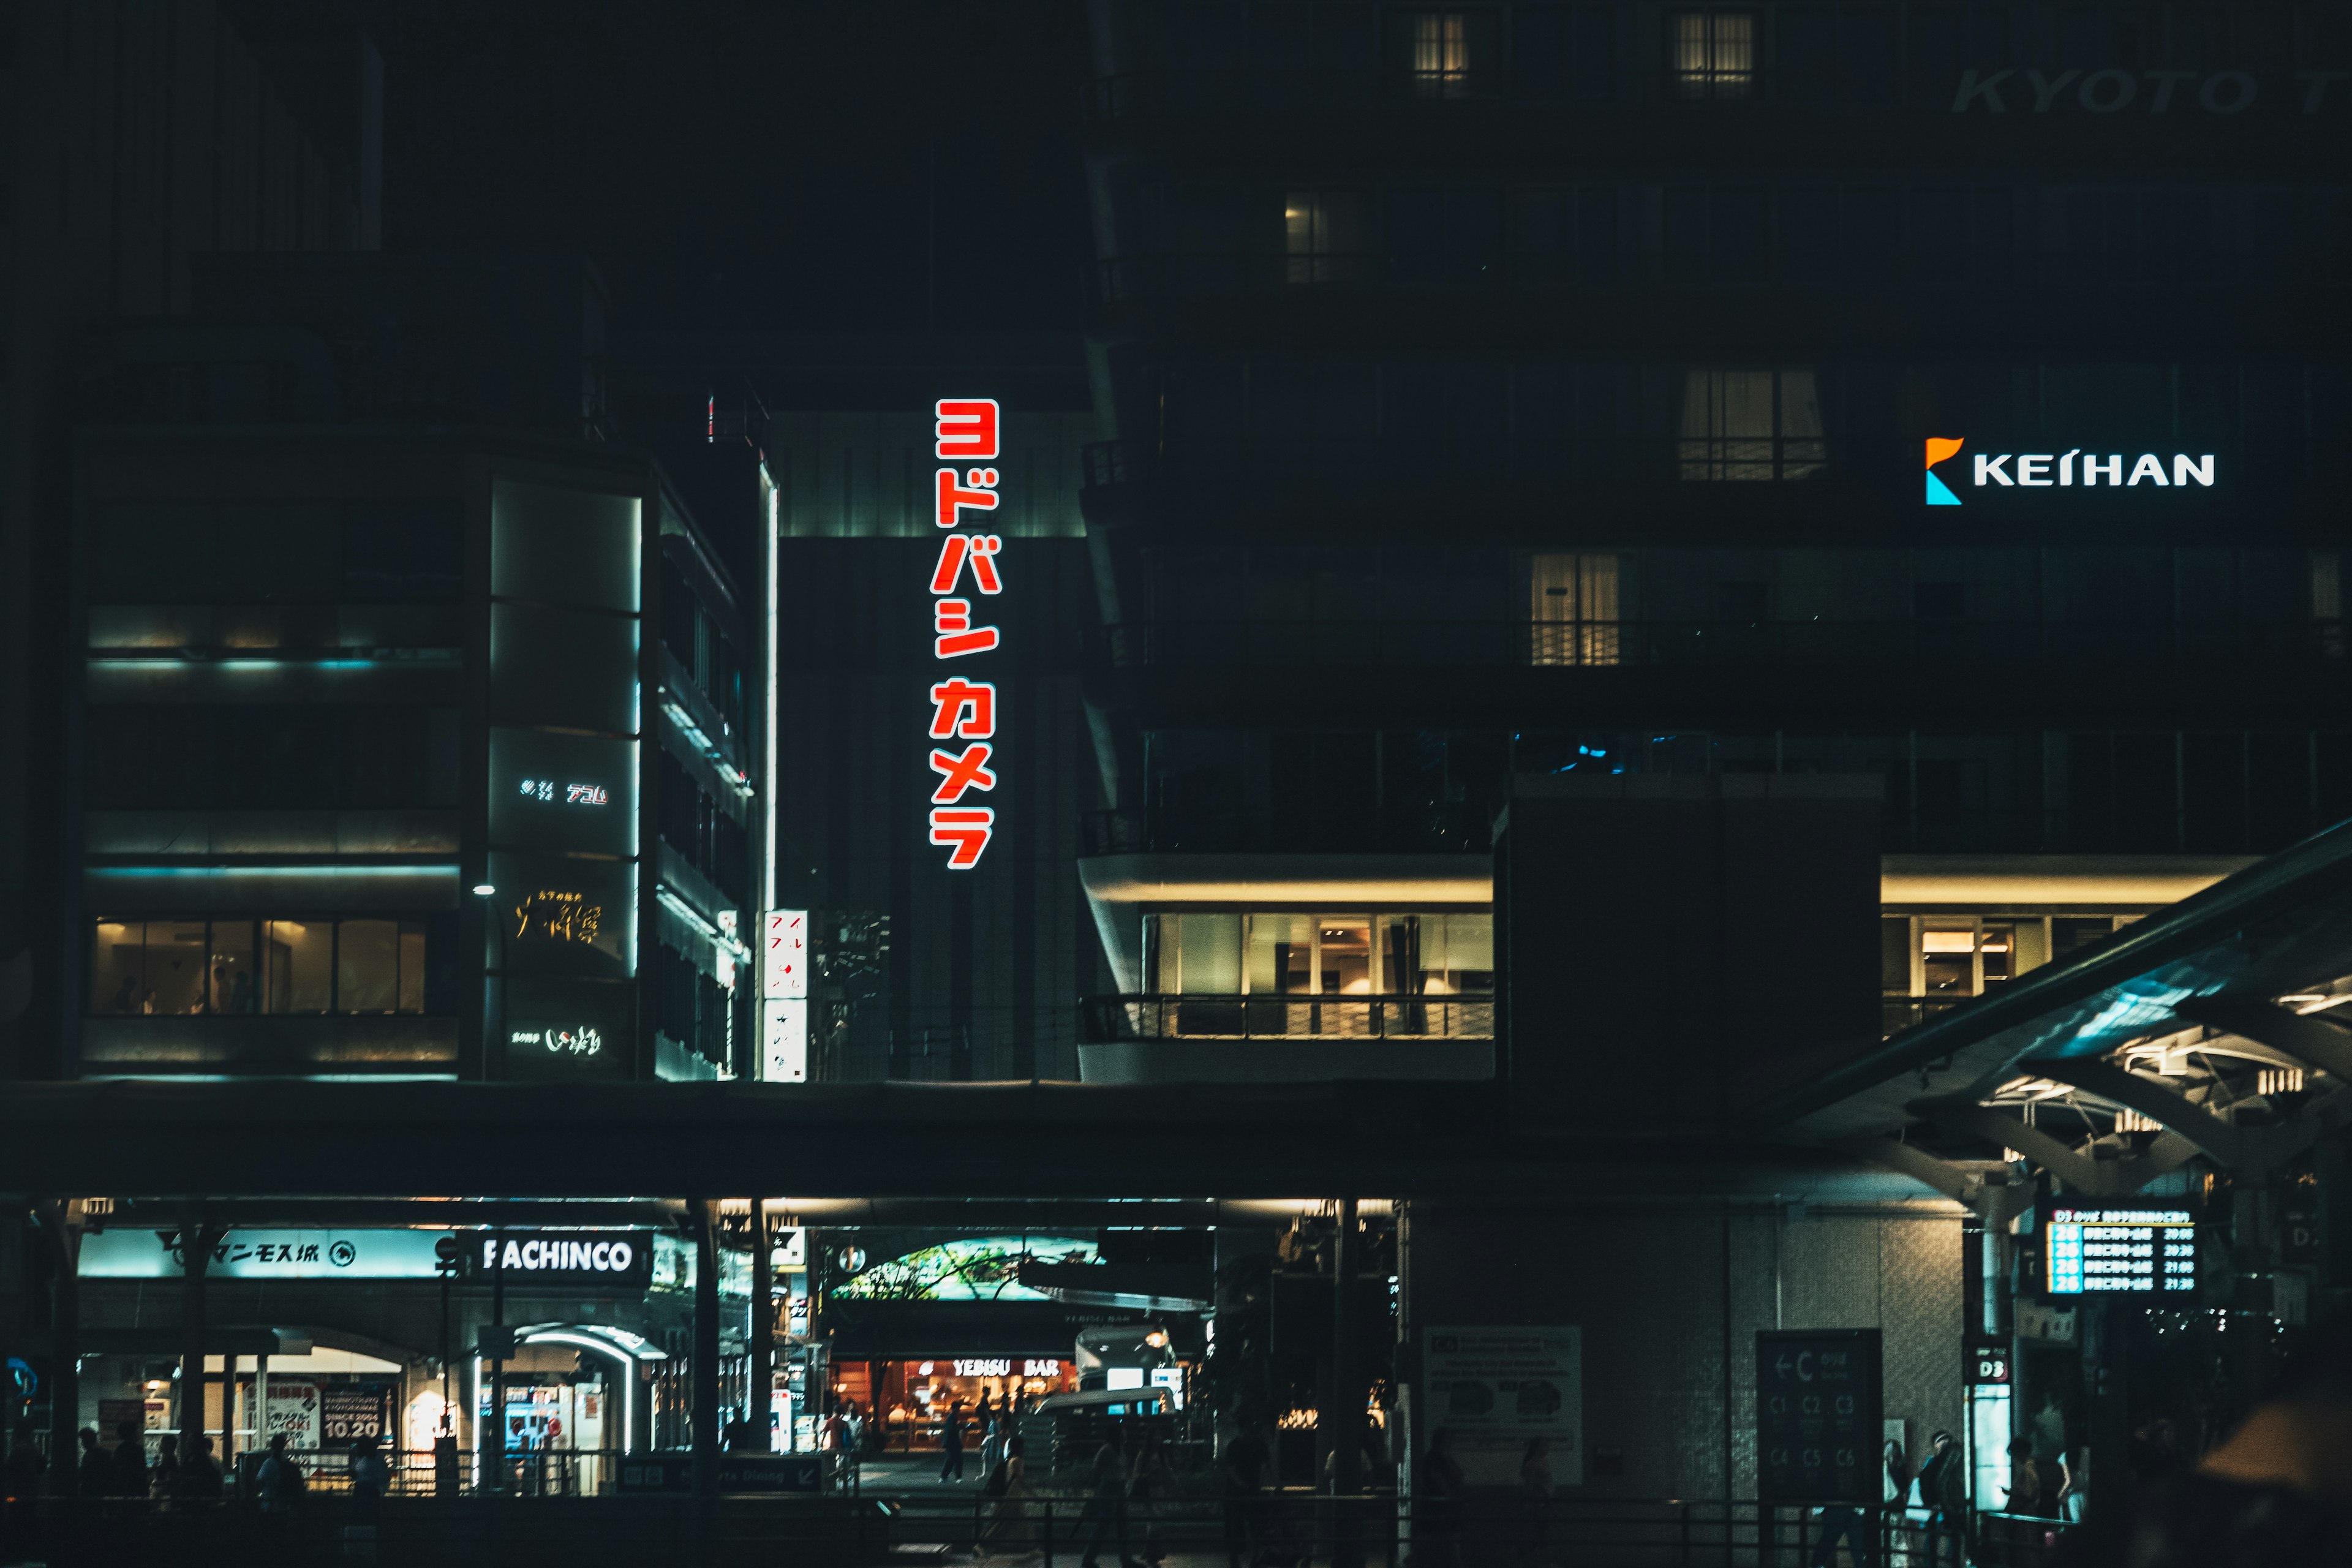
pixel 175 965
pixel 236 984
pixel 412 966
pixel 118 967
pixel 1346 949
pixel 297 967
pixel 563 668
pixel 1281 951
pixel 1208 955
pixel 367 966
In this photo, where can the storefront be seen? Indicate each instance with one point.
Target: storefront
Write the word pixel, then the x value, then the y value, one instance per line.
pixel 912 1396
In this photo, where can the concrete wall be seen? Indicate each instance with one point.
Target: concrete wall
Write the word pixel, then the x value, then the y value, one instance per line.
pixel 1670 1300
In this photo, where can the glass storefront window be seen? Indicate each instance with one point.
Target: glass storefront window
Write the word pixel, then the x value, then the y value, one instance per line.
pixel 1281 954
pixel 244 965
pixel 1284 954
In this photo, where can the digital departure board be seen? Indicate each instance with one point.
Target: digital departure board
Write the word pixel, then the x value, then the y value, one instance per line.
pixel 2127 1251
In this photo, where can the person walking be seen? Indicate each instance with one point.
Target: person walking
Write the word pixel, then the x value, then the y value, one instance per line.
pixel 371 1479
pixel 1008 1529
pixel 1241 1476
pixel 279 1480
pixel 94 1475
pixel 1535 1496
pixel 1107 1507
pixel 1154 1480
pixel 163 1481
pixel 1437 1504
pixel 1943 1490
pixel 200 1478
pixel 952 1443
pixel 130 1460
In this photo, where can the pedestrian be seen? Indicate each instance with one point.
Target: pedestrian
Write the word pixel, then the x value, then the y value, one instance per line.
pixel 27 1469
pixel 991 1444
pixel 2074 1499
pixel 95 1473
pixel 2025 1491
pixel 1437 1505
pixel 1535 1495
pixel 279 1480
pixel 1154 1480
pixel 1008 1528
pixel 130 1460
pixel 371 1479
pixel 1106 1505
pixel 1943 1490
pixel 1241 1476
pixel 200 1479
pixel 163 1481
pixel 952 1443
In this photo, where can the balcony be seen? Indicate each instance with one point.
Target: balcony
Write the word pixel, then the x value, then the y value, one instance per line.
pixel 1146 1038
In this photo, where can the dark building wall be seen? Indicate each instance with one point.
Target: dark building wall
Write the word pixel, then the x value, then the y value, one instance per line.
pixel 984 968
pixel 1670 1298
pixel 1678 931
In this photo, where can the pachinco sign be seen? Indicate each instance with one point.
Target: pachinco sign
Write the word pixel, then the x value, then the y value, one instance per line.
pixel 565 1257
pixel 2035 471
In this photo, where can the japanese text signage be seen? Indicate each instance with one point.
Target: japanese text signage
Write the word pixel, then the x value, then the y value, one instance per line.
pixel 132 1254
pixel 2128 1251
pixel 784 996
pixel 609 1257
pixel 963 710
pixel 1817 1415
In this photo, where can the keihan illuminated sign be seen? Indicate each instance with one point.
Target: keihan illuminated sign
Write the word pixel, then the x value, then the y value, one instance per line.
pixel 963 710
pixel 2061 470
pixel 2127 1251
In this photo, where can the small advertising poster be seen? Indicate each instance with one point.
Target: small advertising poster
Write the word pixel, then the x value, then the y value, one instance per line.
pixel 292 1410
pixel 348 1412
pixel 1499 1389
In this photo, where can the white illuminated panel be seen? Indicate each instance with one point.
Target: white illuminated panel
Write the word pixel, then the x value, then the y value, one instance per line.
pixel 2125 1251
pixel 784 956
pixel 783 1042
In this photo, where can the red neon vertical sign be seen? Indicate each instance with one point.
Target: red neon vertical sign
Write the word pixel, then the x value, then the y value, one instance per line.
pixel 965 440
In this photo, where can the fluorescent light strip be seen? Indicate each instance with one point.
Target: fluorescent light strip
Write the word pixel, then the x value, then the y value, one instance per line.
pixel 271 870
pixel 692 917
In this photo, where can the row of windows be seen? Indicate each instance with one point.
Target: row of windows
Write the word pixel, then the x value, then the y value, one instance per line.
pixel 264 552
pixel 690 1006
pixel 2149 792
pixel 1291 412
pixel 199 756
pixel 2108 589
pixel 1291 51
pixel 703 830
pixel 694 639
pixel 243 966
pixel 231 758
pixel 1229 237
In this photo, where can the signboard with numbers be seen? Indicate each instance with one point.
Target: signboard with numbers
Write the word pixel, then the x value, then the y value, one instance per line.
pixel 1817 1415
pixel 2130 1249
pixel 350 1411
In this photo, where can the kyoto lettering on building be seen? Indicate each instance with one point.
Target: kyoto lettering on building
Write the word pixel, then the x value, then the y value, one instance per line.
pixel 2033 90
pixel 963 710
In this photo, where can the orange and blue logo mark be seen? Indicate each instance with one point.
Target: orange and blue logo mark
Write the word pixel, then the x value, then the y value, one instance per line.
pixel 1938 448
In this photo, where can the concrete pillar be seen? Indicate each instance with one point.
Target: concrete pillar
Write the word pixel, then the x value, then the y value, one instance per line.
pixel 1346 1404
pixel 196 1241
pixel 760 1343
pixel 65 1341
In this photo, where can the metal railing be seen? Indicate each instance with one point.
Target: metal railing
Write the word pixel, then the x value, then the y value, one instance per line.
pixel 1054 1523
pixel 1978 645
pixel 1454 1016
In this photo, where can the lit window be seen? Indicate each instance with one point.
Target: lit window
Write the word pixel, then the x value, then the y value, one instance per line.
pixel 1323 235
pixel 1441 55
pixel 1714 53
pixel 1751 424
pixel 1573 608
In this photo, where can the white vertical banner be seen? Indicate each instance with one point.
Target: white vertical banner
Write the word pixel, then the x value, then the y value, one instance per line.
pixel 783 1045
pixel 784 956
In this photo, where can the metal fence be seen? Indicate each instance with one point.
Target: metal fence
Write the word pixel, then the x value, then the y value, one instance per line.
pixel 1416 1016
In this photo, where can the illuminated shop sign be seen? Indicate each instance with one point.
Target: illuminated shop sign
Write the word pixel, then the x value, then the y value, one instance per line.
pixel 565 1257
pixel 997 1366
pixel 566 793
pixel 559 915
pixel 556 1039
pixel 2128 1251
pixel 2115 90
pixel 2061 471
pixel 134 1254
pixel 784 997
pixel 963 710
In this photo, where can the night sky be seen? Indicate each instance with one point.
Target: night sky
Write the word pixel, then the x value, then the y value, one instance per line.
pixel 757 164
